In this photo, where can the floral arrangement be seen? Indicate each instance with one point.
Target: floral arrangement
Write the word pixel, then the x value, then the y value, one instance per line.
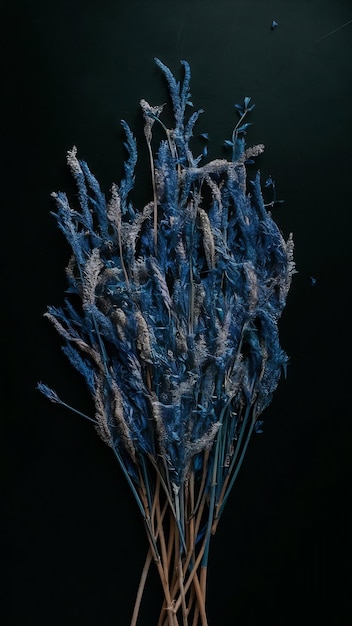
pixel 172 320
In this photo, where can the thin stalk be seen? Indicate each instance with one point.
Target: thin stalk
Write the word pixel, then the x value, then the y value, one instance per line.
pixel 203 581
pixel 232 464
pixel 139 503
pixel 193 577
pixel 147 563
pixel 190 521
pixel 190 534
pixel 175 582
pixel 143 496
pixel 172 530
pixel 221 440
pixel 200 599
pixel 162 544
pixel 182 510
pixel 155 202
pixel 165 486
pixel 203 577
pixel 177 556
pixel 190 601
pixel 180 517
pixel 204 476
pixel 141 586
pixel 121 255
pixel 71 408
pixel 213 491
pixel 168 495
pixel 235 474
pixel 171 613
pixel 235 133
pixel 155 501
pixel 182 592
pixel 210 519
pixel 195 615
pixel 146 482
pixel 199 516
pixel 170 548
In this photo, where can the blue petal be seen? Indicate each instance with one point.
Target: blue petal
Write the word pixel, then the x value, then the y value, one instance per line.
pixel 246 102
pixel 243 127
pixel 239 108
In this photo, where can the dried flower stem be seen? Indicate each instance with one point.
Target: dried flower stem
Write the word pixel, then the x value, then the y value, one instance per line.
pixel 155 201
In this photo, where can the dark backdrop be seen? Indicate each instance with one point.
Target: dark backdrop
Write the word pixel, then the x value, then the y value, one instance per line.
pixel 72 534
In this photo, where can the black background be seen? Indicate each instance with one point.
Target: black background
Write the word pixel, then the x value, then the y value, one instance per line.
pixel 71 71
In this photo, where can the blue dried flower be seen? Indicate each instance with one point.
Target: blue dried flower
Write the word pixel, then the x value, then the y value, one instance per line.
pixel 176 335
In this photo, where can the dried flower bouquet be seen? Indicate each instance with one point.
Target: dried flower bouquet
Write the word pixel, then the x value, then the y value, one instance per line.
pixel 173 324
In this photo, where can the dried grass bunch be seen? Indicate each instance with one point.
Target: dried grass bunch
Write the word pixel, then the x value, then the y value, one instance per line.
pixel 176 333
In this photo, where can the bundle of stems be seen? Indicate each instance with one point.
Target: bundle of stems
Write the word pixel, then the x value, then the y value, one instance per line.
pixel 172 318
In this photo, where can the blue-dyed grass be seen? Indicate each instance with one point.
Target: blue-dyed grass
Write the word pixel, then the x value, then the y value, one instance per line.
pixel 176 335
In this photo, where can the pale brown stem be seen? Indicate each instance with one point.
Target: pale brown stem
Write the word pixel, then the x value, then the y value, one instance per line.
pixel 195 615
pixel 184 589
pixel 141 588
pixel 200 599
pixel 162 544
pixel 171 542
pixel 194 577
pixel 155 501
pixel 190 600
pixel 176 556
pixel 143 494
pixel 203 581
pixel 172 530
pixel 161 563
pixel 182 593
pixel 171 613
